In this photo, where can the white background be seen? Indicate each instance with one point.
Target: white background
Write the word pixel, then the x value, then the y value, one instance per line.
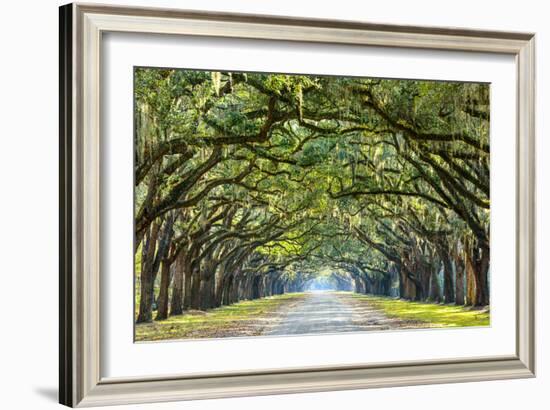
pixel 28 170
pixel 121 357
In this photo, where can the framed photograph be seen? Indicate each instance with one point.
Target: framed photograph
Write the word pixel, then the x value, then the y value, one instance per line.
pixel 257 205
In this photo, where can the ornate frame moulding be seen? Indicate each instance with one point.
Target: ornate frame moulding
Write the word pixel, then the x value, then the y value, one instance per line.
pixel 81 29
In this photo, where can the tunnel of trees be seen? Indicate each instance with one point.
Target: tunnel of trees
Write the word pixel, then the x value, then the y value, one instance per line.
pixel 250 185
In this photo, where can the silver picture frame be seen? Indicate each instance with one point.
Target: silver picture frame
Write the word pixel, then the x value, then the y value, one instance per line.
pixel 81 29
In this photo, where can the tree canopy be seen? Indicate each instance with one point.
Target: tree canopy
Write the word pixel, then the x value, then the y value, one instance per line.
pixel 252 184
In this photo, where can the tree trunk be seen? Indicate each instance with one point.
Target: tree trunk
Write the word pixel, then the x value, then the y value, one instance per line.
pixel 435 289
pixel 207 292
pixel 219 286
pixel 448 285
pixel 234 296
pixel 187 288
pixel 176 305
pixel 195 293
pixel 275 287
pixel 470 281
pixel 425 276
pixel 255 291
pixel 359 284
pixel 227 289
pixel 401 282
pixel 481 276
pixel 368 285
pixel 407 286
pixel 387 285
pixel 147 278
pixel 477 266
pixel 268 287
pixel 459 294
pixel 162 308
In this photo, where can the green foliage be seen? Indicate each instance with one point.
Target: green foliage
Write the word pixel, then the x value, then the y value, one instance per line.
pixel 240 319
pixel 433 314
pixel 298 172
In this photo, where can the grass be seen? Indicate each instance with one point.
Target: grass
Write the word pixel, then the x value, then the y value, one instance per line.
pixel 253 317
pixel 437 315
pixel 246 318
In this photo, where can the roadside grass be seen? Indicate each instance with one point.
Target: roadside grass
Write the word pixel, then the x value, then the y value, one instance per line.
pixel 246 318
pixel 436 315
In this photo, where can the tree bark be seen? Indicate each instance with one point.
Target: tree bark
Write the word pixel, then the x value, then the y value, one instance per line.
pixel 470 281
pixel 187 287
pixel 435 289
pixel 227 289
pixel 407 286
pixel 359 284
pixel 195 292
pixel 162 308
pixel 207 292
pixel 147 277
pixel 481 276
pixel 255 287
pixel 477 266
pixel 448 284
pixel 460 267
pixel 176 305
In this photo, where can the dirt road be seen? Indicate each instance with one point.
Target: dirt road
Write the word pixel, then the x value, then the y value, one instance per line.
pixel 331 312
